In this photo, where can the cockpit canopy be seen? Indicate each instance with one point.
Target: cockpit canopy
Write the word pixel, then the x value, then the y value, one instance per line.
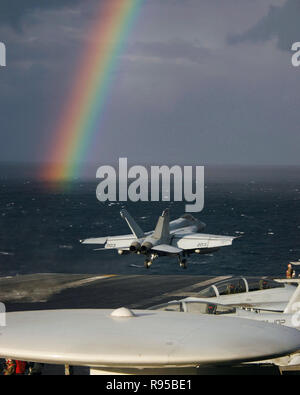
pixel 195 307
pixel 237 285
pixel 189 217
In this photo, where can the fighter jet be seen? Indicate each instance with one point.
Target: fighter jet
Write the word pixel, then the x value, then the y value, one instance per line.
pixel 262 293
pixel 176 238
pixel 205 306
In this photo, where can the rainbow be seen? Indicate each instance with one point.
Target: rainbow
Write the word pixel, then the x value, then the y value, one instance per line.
pixel 81 116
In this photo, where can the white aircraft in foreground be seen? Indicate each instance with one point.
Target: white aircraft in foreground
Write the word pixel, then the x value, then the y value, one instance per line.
pixel 176 238
pixel 290 317
pixel 262 293
pixel 124 341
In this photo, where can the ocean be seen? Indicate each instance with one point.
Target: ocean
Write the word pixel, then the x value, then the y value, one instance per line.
pixel 40 228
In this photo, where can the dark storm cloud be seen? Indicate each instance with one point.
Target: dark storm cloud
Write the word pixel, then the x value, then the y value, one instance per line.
pixel 281 23
pixel 177 77
pixel 13 11
pixel 175 49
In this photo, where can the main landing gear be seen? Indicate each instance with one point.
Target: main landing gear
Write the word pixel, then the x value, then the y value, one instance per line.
pixel 149 260
pixel 182 262
pixel 147 263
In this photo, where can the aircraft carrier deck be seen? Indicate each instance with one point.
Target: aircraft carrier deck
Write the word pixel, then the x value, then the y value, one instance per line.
pixel 74 291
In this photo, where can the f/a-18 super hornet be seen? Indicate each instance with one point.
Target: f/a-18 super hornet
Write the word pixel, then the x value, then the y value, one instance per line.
pixel 176 238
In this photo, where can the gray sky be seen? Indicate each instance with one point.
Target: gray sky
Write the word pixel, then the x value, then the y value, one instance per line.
pixel 200 81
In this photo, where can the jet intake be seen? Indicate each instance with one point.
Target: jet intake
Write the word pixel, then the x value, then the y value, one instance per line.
pixel 146 247
pixel 135 246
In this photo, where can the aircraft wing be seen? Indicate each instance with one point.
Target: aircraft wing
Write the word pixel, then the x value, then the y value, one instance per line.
pixel 94 240
pixel 110 242
pixel 200 240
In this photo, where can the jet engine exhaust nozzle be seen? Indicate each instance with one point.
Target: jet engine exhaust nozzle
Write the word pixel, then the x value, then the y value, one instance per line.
pixel 146 247
pixel 135 246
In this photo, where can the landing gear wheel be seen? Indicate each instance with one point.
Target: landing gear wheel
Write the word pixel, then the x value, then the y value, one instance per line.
pixel 183 264
pixel 147 264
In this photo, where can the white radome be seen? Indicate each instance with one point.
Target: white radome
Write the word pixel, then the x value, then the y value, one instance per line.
pixel 124 338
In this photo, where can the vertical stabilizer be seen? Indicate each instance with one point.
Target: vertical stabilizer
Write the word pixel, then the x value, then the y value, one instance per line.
pixel 162 229
pixel 294 302
pixel 134 227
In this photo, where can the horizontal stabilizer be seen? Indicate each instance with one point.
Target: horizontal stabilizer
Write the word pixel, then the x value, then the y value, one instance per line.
pixel 108 248
pixel 94 240
pixel 167 248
